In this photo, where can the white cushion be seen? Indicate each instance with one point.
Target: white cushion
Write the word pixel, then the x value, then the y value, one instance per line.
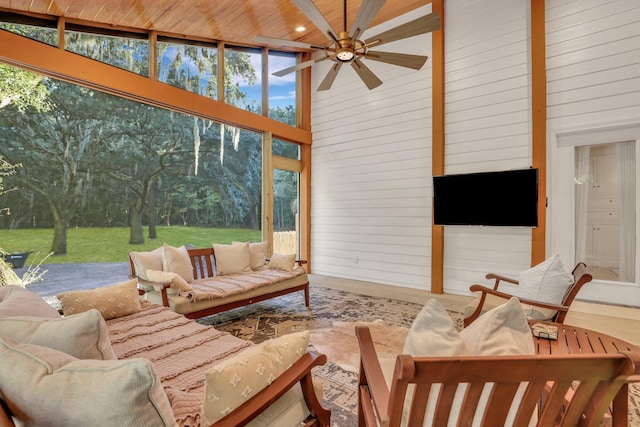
pixel 282 262
pixel 42 386
pixel 83 335
pixel 231 382
pixel 143 261
pixel 545 282
pixel 433 333
pixel 257 254
pixel 232 259
pixel 176 260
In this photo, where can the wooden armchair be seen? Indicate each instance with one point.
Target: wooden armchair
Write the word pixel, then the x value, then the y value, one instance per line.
pixel 580 274
pixel 538 386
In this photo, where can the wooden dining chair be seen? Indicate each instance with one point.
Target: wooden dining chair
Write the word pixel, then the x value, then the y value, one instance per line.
pixel 524 390
pixel 580 277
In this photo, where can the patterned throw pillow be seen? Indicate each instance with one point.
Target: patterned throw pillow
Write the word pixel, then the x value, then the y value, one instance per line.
pixel 234 380
pixel 282 262
pixel 111 301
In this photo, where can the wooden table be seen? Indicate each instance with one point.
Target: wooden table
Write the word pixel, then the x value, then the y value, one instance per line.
pixel 575 340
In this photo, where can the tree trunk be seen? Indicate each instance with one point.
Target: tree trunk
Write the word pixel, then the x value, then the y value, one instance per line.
pixel 151 213
pixel 59 245
pixel 136 236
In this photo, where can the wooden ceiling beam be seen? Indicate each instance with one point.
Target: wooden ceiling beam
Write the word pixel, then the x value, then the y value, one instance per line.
pixel 56 63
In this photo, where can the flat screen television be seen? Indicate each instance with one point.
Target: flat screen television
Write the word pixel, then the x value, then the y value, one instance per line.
pixel 504 198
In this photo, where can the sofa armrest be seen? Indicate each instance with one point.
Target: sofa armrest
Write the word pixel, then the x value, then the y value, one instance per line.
pixel 299 372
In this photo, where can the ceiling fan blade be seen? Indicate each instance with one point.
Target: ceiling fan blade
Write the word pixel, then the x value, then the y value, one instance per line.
pixel 311 11
pixel 402 59
pixel 367 76
pixel 299 66
pixel 422 25
pixel 368 10
pixel 330 77
pixel 282 42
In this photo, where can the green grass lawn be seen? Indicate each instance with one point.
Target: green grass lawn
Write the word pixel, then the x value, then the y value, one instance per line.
pixel 112 244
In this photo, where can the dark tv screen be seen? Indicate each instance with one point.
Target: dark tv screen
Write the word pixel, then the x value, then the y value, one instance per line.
pixel 504 198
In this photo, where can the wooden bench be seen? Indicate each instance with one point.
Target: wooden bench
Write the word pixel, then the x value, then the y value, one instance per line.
pixel 203 262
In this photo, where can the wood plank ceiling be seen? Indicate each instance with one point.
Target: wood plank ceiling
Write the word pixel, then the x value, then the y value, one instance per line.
pixel 232 21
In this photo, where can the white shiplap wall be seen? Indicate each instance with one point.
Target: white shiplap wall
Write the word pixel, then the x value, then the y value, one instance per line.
pixel 371 170
pixel 593 96
pixel 487 126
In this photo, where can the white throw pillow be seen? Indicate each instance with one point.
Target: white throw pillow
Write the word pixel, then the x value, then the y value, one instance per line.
pixel 282 262
pixel 83 335
pixel 42 386
pixel 143 261
pixel 233 381
pixel 545 282
pixel 257 254
pixel 176 260
pixel 18 301
pixel 433 333
pixel 232 259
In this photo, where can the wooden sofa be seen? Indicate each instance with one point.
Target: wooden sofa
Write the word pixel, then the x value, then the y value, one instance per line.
pixel 539 386
pixel 181 352
pixel 215 294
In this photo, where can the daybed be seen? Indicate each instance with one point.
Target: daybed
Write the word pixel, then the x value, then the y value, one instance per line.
pixel 144 366
pixel 201 282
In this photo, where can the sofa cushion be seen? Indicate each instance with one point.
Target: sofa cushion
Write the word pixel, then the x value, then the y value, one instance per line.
pixel 144 261
pixel 111 301
pixel 42 386
pixel 234 380
pixel 176 260
pixel 82 335
pixel 232 259
pixel 18 301
pixel 282 262
pixel 257 254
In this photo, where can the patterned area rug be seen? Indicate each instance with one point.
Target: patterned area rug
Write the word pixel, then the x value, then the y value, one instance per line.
pixel 329 307
pixel 331 319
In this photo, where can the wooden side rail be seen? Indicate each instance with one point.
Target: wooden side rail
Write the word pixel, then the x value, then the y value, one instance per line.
pixel 538 385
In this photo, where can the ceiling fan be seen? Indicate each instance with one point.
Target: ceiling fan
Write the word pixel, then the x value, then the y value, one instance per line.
pixel 346 47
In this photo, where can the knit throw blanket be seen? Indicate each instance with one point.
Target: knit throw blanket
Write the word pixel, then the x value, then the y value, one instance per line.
pixel 180 349
pixel 224 286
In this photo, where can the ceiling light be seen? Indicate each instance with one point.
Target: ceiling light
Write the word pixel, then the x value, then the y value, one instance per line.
pixel 345 54
pixel 300 29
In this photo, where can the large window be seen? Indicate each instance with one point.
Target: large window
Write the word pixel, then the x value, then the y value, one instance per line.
pixel 244 89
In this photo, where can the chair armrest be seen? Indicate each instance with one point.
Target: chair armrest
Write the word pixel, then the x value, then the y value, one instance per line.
pixel 499 278
pixel 298 372
pixel 372 385
pixel 485 290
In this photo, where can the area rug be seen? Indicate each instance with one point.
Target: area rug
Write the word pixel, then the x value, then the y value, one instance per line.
pixel 332 319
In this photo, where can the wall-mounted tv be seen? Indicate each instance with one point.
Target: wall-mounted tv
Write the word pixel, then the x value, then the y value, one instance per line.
pixel 504 198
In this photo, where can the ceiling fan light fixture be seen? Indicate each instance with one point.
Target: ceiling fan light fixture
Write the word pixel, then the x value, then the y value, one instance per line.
pixel 345 55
